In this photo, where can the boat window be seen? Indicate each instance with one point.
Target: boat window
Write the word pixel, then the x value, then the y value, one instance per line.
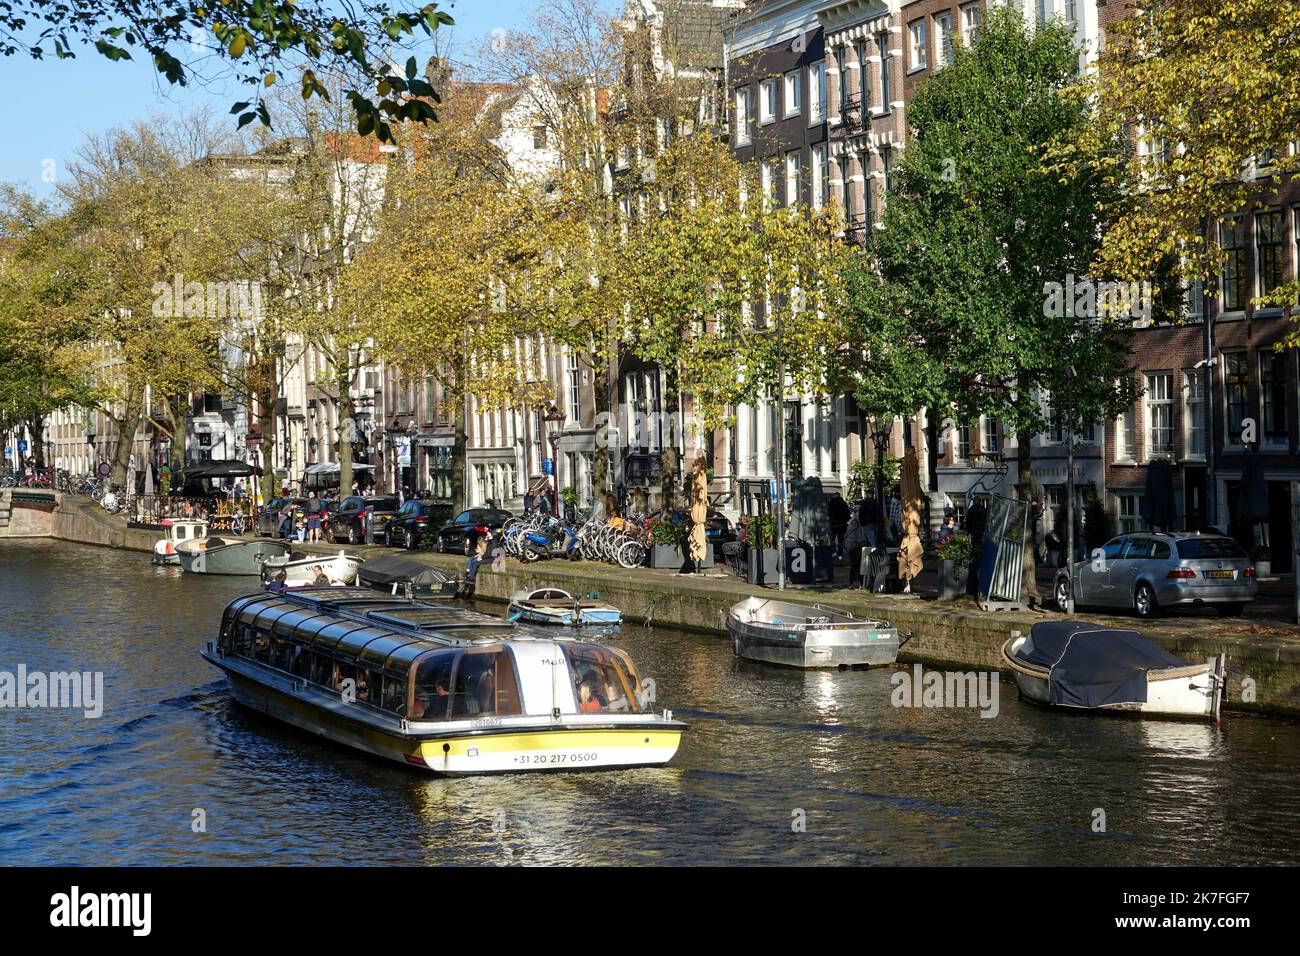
pixel 433 685
pixel 394 698
pixel 243 640
pixel 485 684
pixel 262 646
pixel 343 673
pixel 368 686
pixel 322 670
pixel 598 680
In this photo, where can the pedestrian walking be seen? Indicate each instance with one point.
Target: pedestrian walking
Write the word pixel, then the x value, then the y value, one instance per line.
pixel 976 520
pixel 313 517
pixel 839 512
pixel 895 516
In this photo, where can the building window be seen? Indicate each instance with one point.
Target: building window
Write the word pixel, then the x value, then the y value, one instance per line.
pixel 744 116
pixel 793 102
pixel 1270 249
pixel 767 177
pixel 793 166
pixel 1236 280
pixel 1194 301
pixel 972 15
pixel 989 435
pixel 539 137
pixel 960 442
pixel 817 92
pixel 864 76
pixel 1273 398
pixel 943 33
pixel 820 193
pixel 918 53
pixel 1193 413
pixel 1130 513
pixel 882 49
pixel 1126 436
pixel 430 405
pixel 1160 415
pixel 843 164
pixel 887 167
pixel 767 93
pixel 1235 393
pixel 868 205
pixel 575 389
pixel 1072 11
pixel 841 60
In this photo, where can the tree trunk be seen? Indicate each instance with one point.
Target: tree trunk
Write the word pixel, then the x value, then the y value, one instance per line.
pixel 1025 491
pixel 671 451
pixel 181 412
pixel 347 426
pixel 270 439
pixel 36 425
pixel 601 470
pixel 127 428
pixel 459 444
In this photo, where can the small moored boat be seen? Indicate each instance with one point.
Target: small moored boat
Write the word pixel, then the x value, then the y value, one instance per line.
pixel 1110 670
pixel 437 687
pixel 797 635
pixel 164 549
pixel 214 555
pixel 555 606
pixel 303 572
pixel 396 575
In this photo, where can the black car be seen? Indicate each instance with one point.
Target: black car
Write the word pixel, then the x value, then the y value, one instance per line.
pixel 348 520
pixel 463 531
pixel 415 524
pixel 717 529
pixel 272 513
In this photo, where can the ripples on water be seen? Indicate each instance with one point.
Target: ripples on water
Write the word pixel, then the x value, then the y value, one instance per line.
pixel 876 784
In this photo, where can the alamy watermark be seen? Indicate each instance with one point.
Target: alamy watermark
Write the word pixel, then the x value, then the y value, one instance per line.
pixel 946 689
pixel 56 690
pixel 235 299
pixel 1086 299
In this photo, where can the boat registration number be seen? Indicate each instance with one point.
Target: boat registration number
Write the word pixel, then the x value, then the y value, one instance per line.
pixel 1219 575
pixel 556 759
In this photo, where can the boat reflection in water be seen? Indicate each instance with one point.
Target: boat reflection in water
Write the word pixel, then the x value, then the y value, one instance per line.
pixel 439 688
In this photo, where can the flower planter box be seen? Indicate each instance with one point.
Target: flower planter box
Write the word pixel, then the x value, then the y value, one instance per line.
pixel 1264 568
pixel 671 557
pixel 952 583
pixel 762 566
pixel 802 560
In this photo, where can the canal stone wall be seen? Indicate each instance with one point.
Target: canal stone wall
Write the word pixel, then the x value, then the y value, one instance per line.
pixel 26 513
pixel 1263 657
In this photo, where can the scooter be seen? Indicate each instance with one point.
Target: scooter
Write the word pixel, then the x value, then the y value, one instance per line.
pixel 554 539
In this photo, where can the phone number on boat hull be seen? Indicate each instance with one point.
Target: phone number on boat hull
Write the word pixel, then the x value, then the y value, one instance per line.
pixel 556 760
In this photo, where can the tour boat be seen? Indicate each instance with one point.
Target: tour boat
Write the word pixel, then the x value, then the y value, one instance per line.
pixel 303 572
pixel 797 635
pixel 437 687
pixel 554 606
pixel 1086 666
pixel 214 555
pixel 164 550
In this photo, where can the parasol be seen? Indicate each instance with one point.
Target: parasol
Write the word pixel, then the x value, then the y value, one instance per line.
pixel 910 549
pixel 698 543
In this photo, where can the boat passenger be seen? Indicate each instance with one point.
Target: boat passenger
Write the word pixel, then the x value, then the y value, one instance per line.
pixel 321 579
pixel 278 586
pixel 588 703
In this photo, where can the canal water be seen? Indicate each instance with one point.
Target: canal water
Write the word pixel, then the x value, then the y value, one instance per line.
pixel 778 766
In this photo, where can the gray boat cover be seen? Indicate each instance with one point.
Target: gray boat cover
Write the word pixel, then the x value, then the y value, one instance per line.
pixel 383 573
pixel 1092 666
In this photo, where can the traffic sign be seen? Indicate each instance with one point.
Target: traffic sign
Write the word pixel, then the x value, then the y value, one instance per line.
pixel 22 445
pixel 9 452
pixel 548 466
pixel 105 469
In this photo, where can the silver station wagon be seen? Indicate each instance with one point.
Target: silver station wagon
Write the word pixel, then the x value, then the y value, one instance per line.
pixel 1152 572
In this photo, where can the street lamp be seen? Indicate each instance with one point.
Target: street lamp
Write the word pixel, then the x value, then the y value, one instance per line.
pixel 554 421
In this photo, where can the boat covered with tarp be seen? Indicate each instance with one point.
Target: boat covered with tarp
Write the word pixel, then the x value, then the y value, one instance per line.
pixel 394 574
pixel 1087 666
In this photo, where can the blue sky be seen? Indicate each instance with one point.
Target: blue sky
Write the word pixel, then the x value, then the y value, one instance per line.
pixel 50 106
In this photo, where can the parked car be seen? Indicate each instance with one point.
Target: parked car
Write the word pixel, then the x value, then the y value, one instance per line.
pixel 717 527
pixel 272 513
pixel 348 520
pixel 1149 573
pixel 463 531
pixel 416 523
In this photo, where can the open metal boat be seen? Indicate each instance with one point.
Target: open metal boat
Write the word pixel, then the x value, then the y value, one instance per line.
pixel 555 606
pixel 303 572
pixel 799 635
pixel 439 687
pixel 228 555
pixel 1110 670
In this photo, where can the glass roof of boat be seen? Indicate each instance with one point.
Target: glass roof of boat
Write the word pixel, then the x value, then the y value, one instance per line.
pixel 433 617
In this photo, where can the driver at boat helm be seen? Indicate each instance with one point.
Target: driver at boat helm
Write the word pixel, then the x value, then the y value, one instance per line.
pixel 587 700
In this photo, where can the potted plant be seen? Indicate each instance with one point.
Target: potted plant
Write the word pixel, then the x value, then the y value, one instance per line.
pixel 758 534
pixel 1262 555
pixel 569 498
pixel 955 556
pixel 667 543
